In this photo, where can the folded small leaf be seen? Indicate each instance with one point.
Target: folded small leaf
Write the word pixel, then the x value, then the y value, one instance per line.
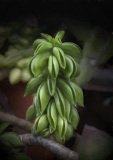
pixel 47 37
pixel 79 94
pixel 41 123
pixel 31 113
pixel 60 103
pixel 72 49
pixel 52 115
pixel 74 118
pixel 43 97
pixel 51 83
pixel 59 36
pixel 69 132
pixel 33 84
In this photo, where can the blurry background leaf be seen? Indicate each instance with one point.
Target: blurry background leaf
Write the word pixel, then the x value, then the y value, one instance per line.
pixel 10 139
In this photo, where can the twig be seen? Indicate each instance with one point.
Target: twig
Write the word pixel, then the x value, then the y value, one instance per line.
pixel 59 150
pixel 5 117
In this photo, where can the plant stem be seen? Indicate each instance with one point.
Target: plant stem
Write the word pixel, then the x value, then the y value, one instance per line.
pixel 59 150
pixel 5 117
pixel 28 139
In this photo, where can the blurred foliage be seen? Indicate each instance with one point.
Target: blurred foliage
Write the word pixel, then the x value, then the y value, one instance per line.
pixel 11 147
pixel 16 40
pixel 97 48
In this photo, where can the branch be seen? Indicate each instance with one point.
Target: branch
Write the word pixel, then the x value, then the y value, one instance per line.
pixel 29 139
pixel 59 150
pixel 5 117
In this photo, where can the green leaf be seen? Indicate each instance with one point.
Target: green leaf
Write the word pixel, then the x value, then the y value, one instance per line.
pixel 61 129
pixel 73 50
pixel 43 97
pixel 31 113
pixel 79 94
pixel 33 85
pixel 59 36
pixel 10 139
pixel 37 42
pixel 69 132
pixel 47 37
pixel 74 118
pixel 41 123
pixel 52 116
pixel 51 83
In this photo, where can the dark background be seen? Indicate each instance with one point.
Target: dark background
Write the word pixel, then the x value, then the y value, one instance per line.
pixel 98 12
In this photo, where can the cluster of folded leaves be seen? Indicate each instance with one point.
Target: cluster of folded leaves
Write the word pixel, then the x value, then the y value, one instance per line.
pixel 10 144
pixel 16 49
pixel 54 67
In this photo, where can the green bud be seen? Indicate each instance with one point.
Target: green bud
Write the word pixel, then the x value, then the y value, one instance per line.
pixel 31 113
pixel 74 118
pixel 52 116
pixel 69 132
pixel 61 129
pixel 43 97
pixel 40 124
